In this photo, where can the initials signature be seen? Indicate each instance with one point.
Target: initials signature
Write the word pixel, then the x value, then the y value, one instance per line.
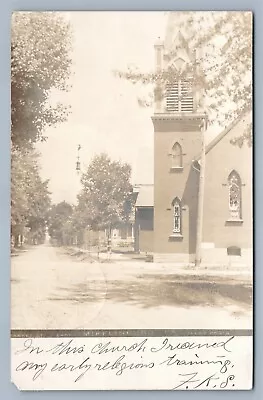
pixel 192 381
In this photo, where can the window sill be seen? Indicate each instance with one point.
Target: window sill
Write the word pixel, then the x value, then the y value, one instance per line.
pixel 176 169
pixel 234 221
pixel 175 236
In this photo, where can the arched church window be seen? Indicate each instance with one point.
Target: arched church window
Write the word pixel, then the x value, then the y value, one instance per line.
pixel 234 194
pixel 177 156
pixel 177 216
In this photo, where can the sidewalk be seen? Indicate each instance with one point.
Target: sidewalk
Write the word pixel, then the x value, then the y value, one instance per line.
pixel 126 261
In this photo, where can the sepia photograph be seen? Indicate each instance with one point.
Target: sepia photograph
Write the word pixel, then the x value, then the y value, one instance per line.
pixel 131 171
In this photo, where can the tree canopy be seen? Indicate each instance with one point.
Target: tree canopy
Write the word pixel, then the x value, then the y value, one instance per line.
pixel 221 68
pixel 30 198
pixel 105 198
pixel 40 63
pixel 40 66
pixel 59 221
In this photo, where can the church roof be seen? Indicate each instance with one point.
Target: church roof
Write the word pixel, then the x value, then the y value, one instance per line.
pixel 222 134
pixel 145 195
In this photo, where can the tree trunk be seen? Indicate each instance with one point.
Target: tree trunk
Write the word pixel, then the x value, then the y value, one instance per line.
pixel 16 240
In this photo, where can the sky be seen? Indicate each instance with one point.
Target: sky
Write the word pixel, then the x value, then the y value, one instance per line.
pixel 105 114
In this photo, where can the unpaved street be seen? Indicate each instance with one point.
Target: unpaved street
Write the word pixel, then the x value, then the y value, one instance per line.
pixel 50 290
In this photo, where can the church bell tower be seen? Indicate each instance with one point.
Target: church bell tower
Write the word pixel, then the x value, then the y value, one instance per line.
pixel 177 120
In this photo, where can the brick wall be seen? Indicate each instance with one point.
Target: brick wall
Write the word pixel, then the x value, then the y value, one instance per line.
pixel 220 161
pixel 170 183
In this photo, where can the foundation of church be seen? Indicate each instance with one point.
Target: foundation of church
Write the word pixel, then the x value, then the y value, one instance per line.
pixel 211 258
pixel 178 258
pixel 219 257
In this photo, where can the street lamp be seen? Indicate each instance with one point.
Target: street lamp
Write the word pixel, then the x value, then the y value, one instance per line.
pixel 78 162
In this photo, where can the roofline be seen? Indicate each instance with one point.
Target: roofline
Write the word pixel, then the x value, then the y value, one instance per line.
pixel 222 134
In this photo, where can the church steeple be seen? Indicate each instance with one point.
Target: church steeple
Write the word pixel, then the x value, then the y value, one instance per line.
pixel 177 125
pixel 176 64
pixel 178 49
pixel 175 37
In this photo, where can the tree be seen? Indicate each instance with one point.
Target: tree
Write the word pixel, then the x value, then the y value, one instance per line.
pixel 222 67
pixel 105 199
pixel 39 204
pixel 40 64
pixel 19 199
pixel 30 198
pixel 59 222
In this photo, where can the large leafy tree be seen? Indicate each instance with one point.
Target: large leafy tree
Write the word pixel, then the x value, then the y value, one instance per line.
pixel 222 68
pixel 59 222
pixel 39 202
pixel 40 64
pixel 30 198
pixel 105 199
pixel 19 199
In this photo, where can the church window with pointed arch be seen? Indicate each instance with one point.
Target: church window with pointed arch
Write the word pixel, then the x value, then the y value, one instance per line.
pixel 234 196
pixel 177 216
pixel 177 156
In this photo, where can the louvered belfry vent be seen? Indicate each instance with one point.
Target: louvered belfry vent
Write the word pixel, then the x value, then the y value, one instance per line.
pixel 172 97
pixel 187 101
pixel 179 97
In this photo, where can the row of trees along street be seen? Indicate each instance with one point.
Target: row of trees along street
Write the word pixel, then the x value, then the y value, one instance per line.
pixel 41 62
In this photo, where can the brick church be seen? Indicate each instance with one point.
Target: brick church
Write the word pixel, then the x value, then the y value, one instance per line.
pixel 167 212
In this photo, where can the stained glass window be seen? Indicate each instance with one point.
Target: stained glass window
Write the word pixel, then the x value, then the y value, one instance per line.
pixel 234 187
pixel 177 216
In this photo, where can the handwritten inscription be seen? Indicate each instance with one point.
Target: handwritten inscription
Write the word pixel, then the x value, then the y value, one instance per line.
pixel 189 364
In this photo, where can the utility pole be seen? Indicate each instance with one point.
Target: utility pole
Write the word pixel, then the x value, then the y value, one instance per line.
pixel 200 214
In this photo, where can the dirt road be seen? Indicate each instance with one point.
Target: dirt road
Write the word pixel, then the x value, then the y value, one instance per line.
pixel 49 290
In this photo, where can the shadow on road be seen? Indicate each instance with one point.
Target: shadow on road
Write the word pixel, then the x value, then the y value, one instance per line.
pixel 154 290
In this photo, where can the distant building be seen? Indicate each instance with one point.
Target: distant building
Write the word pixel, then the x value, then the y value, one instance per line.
pixel 167 212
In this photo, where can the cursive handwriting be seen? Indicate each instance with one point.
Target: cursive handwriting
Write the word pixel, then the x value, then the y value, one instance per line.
pixel 38 368
pixel 212 381
pixel 166 345
pixel 174 360
pixel 119 366
pixel 212 359
pixel 66 348
pixel 101 348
